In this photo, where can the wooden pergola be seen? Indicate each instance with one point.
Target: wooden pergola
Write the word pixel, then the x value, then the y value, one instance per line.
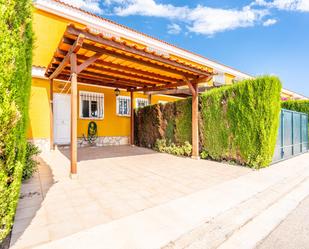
pixel 95 58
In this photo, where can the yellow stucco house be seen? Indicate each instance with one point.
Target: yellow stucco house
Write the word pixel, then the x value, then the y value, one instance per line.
pixel 109 105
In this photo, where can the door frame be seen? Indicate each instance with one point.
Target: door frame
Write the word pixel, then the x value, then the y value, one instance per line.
pixel 56 95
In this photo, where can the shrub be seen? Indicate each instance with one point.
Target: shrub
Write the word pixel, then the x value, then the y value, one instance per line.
pixel 240 122
pixel 162 145
pixel 15 80
pixel 31 164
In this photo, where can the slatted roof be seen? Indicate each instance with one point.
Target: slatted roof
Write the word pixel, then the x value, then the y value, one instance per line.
pixel 103 59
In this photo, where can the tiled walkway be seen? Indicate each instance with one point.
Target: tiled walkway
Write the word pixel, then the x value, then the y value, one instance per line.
pixel 113 182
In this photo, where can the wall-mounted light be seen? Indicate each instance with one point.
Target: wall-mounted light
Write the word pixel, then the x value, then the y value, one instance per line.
pixel 117 92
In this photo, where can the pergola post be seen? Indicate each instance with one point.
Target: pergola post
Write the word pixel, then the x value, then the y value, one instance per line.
pixel 149 99
pixel 51 107
pixel 132 118
pixel 193 86
pixel 195 136
pixel 73 62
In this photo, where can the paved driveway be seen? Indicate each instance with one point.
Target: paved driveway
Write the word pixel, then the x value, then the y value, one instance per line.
pixel 112 182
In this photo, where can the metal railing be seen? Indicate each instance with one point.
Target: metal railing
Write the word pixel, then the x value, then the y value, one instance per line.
pixel 292 135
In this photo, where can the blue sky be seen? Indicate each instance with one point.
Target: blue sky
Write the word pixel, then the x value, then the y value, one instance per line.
pixel 256 37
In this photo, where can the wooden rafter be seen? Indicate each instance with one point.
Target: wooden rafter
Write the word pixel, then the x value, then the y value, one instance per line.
pixel 96 82
pixel 178 91
pixel 98 39
pixel 104 72
pixel 88 62
pixel 110 77
pixel 118 68
pixel 66 60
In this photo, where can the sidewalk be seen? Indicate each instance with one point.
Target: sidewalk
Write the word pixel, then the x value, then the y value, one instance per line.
pixel 181 222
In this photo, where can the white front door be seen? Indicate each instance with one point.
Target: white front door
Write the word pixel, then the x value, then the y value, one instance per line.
pixel 62 118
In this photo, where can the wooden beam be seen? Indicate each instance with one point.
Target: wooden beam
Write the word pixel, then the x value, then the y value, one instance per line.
pixel 51 107
pixel 132 119
pixel 97 82
pixel 74 48
pixel 159 88
pixel 121 68
pixel 122 74
pixel 99 74
pixel 87 63
pixel 98 39
pixel 176 91
pixel 99 77
pixel 73 62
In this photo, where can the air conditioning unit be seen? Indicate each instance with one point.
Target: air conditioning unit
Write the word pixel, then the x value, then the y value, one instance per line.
pixel 219 79
pixel 236 79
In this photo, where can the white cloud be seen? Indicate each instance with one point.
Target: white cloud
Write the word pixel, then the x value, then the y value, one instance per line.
pixel 90 5
pixel 295 5
pixel 201 19
pixel 148 8
pixel 173 29
pixel 209 21
pixel 269 22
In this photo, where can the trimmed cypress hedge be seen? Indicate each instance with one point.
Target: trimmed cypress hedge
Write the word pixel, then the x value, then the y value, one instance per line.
pixel 240 122
pixel 237 123
pixel 16 40
pixel 296 105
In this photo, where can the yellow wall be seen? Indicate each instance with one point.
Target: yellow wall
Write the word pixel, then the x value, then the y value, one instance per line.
pixel 48 31
pixel 111 125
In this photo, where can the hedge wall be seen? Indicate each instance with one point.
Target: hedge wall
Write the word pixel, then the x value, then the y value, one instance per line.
pixel 237 123
pixel 296 105
pixel 15 79
pixel 240 122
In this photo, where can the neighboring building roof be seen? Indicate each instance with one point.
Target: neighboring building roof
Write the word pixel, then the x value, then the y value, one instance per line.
pixel 91 20
pixel 293 95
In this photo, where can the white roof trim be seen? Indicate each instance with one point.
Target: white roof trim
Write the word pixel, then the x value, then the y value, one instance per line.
pixel 117 30
pixel 294 94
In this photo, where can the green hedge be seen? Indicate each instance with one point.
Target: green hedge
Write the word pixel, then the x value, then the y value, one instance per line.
pixel 240 122
pixel 16 40
pixel 237 123
pixel 296 105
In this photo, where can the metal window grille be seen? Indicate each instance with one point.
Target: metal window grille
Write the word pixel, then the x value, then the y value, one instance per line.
pixel 91 105
pixel 123 105
pixel 140 103
pixel 292 136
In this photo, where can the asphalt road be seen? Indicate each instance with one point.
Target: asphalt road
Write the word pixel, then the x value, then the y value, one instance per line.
pixel 292 233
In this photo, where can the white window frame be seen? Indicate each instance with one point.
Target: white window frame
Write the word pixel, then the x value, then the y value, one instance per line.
pixel 141 99
pixel 129 105
pixel 95 95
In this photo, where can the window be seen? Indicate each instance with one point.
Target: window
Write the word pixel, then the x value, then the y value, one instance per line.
pixel 140 103
pixel 91 105
pixel 123 105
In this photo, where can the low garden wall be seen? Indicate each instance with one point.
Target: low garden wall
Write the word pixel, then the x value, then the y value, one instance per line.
pixel 237 123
